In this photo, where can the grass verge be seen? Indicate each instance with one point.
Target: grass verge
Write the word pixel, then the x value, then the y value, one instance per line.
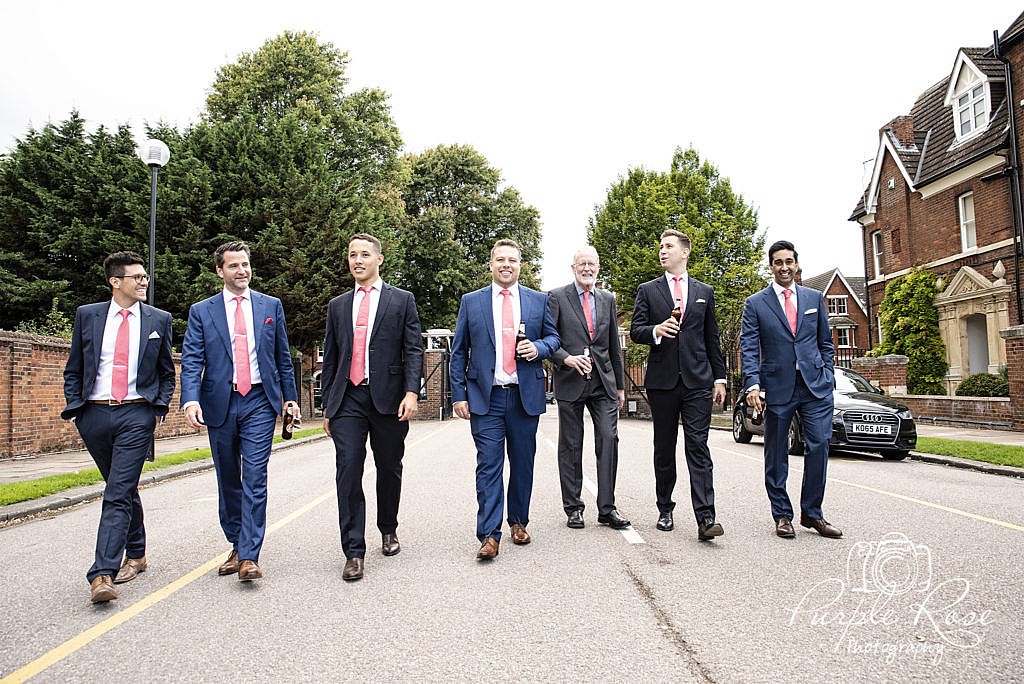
pixel 1000 454
pixel 15 492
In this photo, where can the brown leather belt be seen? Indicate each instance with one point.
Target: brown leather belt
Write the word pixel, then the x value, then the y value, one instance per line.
pixel 234 386
pixel 115 402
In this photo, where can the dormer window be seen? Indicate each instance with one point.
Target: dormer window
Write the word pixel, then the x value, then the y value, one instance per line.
pixel 972 112
pixel 969 98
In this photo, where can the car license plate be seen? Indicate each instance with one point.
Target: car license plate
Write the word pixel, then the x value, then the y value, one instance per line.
pixel 869 429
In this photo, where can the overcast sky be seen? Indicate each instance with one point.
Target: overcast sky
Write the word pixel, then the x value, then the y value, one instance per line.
pixel 563 97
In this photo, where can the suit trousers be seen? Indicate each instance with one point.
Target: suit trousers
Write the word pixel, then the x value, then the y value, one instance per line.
pixel 604 414
pixel 816 421
pixel 506 423
pixel 694 407
pixel 241 453
pixel 356 419
pixel 118 439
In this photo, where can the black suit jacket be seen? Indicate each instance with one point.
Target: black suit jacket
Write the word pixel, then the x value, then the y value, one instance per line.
pixel 605 351
pixel 396 351
pixel 155 375
pixel 695 355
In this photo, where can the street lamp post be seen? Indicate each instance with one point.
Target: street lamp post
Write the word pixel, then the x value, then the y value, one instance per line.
pixel 154 154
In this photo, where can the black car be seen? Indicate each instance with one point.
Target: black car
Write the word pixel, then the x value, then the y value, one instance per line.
pixel 864 419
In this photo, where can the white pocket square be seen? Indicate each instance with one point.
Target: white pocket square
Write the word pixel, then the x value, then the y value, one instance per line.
pixel 154 335
pixel 701 301
pixel 810 311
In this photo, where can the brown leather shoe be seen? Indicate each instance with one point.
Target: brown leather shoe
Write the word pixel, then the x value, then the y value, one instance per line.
pixel 488 550
pixel 784 528
pixel 389 544
pixel 248 571
pixel 102 589
pixel 353 570
pixel 519 534
pixel 130 569
pixel 824 528
pixel 230 566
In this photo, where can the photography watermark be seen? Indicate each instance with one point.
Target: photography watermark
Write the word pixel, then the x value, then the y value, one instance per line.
pixel 890 587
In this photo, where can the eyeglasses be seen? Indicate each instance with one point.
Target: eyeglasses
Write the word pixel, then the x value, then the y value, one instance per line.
pixel 140 278
pixel 586 264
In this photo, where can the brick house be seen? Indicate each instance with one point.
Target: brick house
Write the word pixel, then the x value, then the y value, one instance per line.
pixel 945 195
pixel 847 314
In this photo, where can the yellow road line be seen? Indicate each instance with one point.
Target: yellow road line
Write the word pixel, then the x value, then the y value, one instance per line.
pixel 75 643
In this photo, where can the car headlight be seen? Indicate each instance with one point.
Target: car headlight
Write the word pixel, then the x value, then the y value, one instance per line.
pixel 905 414
pixel 836 413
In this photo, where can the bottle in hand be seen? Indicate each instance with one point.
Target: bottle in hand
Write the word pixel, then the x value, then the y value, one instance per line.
pixel 520 337
pixel 586 355
pixel 677 312
pixel 287 425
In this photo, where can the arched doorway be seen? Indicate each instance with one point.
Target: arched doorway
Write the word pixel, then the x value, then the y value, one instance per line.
pixel 977 343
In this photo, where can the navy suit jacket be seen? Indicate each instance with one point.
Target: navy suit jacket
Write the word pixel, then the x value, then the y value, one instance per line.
pixel 396 351
pixel 770 352
pixel 155 375
pixel 473 350
pixel 695 354
pixel 206 356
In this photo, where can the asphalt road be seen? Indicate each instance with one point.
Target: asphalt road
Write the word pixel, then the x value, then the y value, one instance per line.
pixel 925 585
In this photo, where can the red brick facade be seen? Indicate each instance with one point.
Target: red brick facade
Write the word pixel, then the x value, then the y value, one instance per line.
pixel 32 397
pixel 858 335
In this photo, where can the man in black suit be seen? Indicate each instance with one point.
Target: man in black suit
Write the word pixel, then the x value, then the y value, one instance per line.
pixel 373 362
pixel 118 383
pixel 685 372
pixel 588 372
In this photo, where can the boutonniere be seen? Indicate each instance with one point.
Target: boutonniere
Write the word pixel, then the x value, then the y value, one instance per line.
pixel 269 321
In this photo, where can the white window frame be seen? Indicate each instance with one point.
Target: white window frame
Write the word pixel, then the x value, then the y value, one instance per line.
pixel 878 324
pixel 844 332
pixel 834 302
pixel 876 251
pixel 968 226
pixel 319 355
pixel 976 106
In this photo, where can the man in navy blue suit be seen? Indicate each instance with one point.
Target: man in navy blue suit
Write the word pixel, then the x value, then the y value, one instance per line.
pixel 498 384
pixel 236 377
pixel 787 353
pixel 118 381
pixel 373 361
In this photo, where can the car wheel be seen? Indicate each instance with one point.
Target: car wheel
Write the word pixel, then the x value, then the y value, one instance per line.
pixel 796 438
pixel 895 455
pixel 739 430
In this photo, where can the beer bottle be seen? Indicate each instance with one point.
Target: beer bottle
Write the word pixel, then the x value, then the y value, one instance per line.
pixel 520 337
pixel 677 312
pixel 586 355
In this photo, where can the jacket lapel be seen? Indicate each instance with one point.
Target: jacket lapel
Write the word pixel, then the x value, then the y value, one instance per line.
pixel 145 327
pixel 99 322
pixel 259 306
pixel 667 297
pixel 219 315
pixel 776 307
pixel 382 308
pixel 346 331
pixel 577 306
pixel 487 313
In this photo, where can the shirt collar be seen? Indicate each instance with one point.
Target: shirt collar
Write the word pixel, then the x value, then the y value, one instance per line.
pixel 228 297
pixel 114 308
pixel 496 290
pixel 669 276
pixel 377 285
pixel 778 288
pixel 580 290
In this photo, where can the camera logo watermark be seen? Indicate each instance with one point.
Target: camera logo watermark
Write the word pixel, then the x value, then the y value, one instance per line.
pixel 890 588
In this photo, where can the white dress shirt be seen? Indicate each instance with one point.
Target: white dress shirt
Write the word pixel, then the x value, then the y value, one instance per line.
pixel 500 377
pixel 684 285
pixel 782 305
pixel 105 369
pixel 250 333
pixel 357 300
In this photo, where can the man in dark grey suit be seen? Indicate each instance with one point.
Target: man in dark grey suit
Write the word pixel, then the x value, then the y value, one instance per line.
pixel 588 372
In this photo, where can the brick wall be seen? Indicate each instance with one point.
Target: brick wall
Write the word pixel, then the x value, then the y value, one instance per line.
pixel 436 375
pixel 887 372
pixel 32 397
pixel 1013 337
pixel 973 412
pixel 859 334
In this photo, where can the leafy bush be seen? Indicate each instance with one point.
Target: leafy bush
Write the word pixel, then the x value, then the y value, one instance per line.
pixel 983 385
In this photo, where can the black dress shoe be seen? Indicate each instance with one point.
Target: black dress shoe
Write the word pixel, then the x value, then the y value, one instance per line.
pixel 665 523
pixel 575 520
pixel 784 528
pixel 389 544
pixel 353 570
pixel 613 520
pixel 824 528
pixel 708 529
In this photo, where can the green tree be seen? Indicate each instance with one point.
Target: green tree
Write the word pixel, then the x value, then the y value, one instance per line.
pixel 456 211
pixel 910 326
pixel 56 323
pixel 693 197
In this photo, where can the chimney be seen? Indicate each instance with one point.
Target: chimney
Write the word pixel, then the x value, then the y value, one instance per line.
pixel 902 129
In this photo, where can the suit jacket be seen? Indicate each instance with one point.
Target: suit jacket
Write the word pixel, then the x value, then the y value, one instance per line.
pixel 396 351
pixel 605 351
pixel 155 376
pixel 206 356
pixel 770 352
pixel 695 355
pixel 473 350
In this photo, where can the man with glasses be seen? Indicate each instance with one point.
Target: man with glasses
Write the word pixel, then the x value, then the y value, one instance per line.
pixel 786 350
pixel 118 382
pixel 588 373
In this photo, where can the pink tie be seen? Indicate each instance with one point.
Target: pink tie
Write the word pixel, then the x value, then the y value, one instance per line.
pixel 243 376
pixel 119 380
pixel 790 310
pixel 508 335
pixel 678 293
pixel 586 313
pixel 357 372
